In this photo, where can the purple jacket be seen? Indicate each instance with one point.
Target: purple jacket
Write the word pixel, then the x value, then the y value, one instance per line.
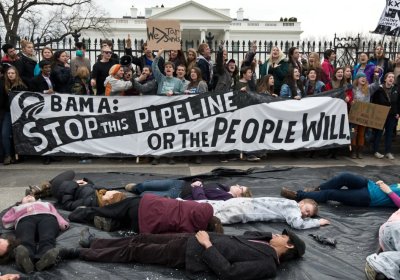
pixel 211 191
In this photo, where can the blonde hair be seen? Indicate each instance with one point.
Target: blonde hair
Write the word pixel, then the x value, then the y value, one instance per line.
pixel 247 193
pixel 313 203
pixel 364 88
pixel 82 72
pixel 25 43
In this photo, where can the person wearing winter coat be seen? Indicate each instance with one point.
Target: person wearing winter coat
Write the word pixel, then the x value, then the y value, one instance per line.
pixel 115 83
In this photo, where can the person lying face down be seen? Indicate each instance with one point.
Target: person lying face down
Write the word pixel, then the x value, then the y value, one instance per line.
pixel 254 255
pixel 150 214
pixel 72 193
pixel 37 225
pixel 195 190
pixel 267 209
pixel 360 191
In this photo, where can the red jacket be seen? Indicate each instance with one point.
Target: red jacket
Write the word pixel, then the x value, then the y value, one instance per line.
pixel 164 215
pixel 327 71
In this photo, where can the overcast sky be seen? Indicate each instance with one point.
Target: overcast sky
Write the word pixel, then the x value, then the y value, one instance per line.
pixel 319 18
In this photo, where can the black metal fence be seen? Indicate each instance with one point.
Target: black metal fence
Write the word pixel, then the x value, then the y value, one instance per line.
pixel 347 49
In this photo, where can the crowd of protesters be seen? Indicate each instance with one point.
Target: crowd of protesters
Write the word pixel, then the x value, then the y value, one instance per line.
pixel 375 79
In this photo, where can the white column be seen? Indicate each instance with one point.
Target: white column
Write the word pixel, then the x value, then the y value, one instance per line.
pixel 226 35
pixel 203 35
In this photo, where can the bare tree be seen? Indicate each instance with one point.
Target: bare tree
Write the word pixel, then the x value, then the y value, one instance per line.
pixel 52 20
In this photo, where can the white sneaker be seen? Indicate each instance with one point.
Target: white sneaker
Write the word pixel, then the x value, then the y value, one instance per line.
pixel 378 155
pixel 389 156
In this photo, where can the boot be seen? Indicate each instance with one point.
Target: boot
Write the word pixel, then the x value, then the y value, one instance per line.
pixel 359 152
pixel 353 153
pixel 86 238
pixel 50 258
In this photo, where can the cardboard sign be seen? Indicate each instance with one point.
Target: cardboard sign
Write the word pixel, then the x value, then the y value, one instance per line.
pixel 368 114
pixel 163 34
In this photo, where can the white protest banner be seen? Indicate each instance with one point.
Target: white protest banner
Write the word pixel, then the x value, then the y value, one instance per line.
pixel 63 124
pixel 163 34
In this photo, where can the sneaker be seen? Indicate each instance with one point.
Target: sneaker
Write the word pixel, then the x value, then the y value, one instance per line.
pixel 378 155
pixel 389 156
pixel 154 161
pixel 252 158
pixel 102 223
pixel 289 194
pixel 86 237
pixel 130 187
pixel 171 161
pixel 50 258
pixel 23 260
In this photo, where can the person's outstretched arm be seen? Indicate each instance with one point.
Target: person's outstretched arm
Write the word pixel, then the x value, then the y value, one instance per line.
pixel 387 190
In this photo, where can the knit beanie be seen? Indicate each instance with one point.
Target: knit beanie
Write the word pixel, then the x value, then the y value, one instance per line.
pixel 114 69
pixel 360 75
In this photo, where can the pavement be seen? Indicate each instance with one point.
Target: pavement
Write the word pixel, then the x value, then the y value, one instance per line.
pixel 15 178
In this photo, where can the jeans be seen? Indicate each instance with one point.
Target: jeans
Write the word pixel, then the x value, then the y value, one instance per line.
pixel 165 187
pixel 43 226
pixel 6 134
pixel 389 126
pixel 356 194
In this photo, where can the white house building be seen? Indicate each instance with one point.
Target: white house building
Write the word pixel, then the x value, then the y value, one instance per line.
pixel 198 21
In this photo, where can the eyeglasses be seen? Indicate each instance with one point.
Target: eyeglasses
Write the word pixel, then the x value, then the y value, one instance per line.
pixel 107 52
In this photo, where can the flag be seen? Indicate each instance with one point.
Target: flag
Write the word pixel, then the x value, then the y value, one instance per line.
pixel 389 23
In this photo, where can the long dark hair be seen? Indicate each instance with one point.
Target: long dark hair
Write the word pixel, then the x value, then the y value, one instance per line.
pixel 293 84
pixel 264 86
pixel 8 254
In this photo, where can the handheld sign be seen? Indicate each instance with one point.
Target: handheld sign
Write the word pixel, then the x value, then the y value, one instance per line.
pixel 368 114
pixel 163 34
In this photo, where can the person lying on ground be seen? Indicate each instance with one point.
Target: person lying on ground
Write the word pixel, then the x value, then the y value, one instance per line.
pixel 254 255
pixel 37 225
pixel 150 214
pixel 360 191
pixel 386 264
pixel 268 209
pixel 195 190
pixel 71 193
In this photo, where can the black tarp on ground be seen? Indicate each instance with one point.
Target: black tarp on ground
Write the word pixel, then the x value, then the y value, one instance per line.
pixel 354 228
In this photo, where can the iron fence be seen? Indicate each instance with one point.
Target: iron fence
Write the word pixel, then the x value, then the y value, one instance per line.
pixel 347 49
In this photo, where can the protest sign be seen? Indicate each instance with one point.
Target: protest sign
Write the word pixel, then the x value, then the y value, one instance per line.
pixel 368 114
pixel 163 34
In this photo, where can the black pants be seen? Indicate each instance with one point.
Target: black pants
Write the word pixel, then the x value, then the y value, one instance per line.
pixel 161 249
pixel 38 233
pixel 124 211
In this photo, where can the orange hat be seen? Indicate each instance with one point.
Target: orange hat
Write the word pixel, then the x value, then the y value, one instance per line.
pixel 114 69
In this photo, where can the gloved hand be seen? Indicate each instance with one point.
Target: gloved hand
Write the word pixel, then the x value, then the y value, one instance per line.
pixel 324 240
